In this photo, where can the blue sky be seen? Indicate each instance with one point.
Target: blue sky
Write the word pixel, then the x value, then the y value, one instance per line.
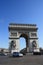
pixel 20 11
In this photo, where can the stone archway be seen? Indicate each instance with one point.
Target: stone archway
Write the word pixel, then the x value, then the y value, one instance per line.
pixel 28 31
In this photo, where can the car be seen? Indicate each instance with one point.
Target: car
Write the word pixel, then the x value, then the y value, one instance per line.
pixel 17 54
pixel 36 52
pixel 20 54
pixel 2 54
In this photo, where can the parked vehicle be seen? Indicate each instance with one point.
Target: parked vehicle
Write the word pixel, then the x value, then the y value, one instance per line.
pixel 2 54
pixel 36 52
pixel 17 54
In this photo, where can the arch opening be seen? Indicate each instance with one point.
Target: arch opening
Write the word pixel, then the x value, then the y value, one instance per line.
pixel 23 42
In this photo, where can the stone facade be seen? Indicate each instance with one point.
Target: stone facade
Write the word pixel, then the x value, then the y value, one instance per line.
pixel 28 31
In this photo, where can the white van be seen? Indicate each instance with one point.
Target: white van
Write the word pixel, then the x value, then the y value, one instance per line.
pixel 36 52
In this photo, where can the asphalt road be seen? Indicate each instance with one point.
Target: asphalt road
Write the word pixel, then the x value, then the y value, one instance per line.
pixel 25 60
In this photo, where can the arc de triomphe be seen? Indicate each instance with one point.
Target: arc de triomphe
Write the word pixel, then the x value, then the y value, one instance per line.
pixel 28 31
